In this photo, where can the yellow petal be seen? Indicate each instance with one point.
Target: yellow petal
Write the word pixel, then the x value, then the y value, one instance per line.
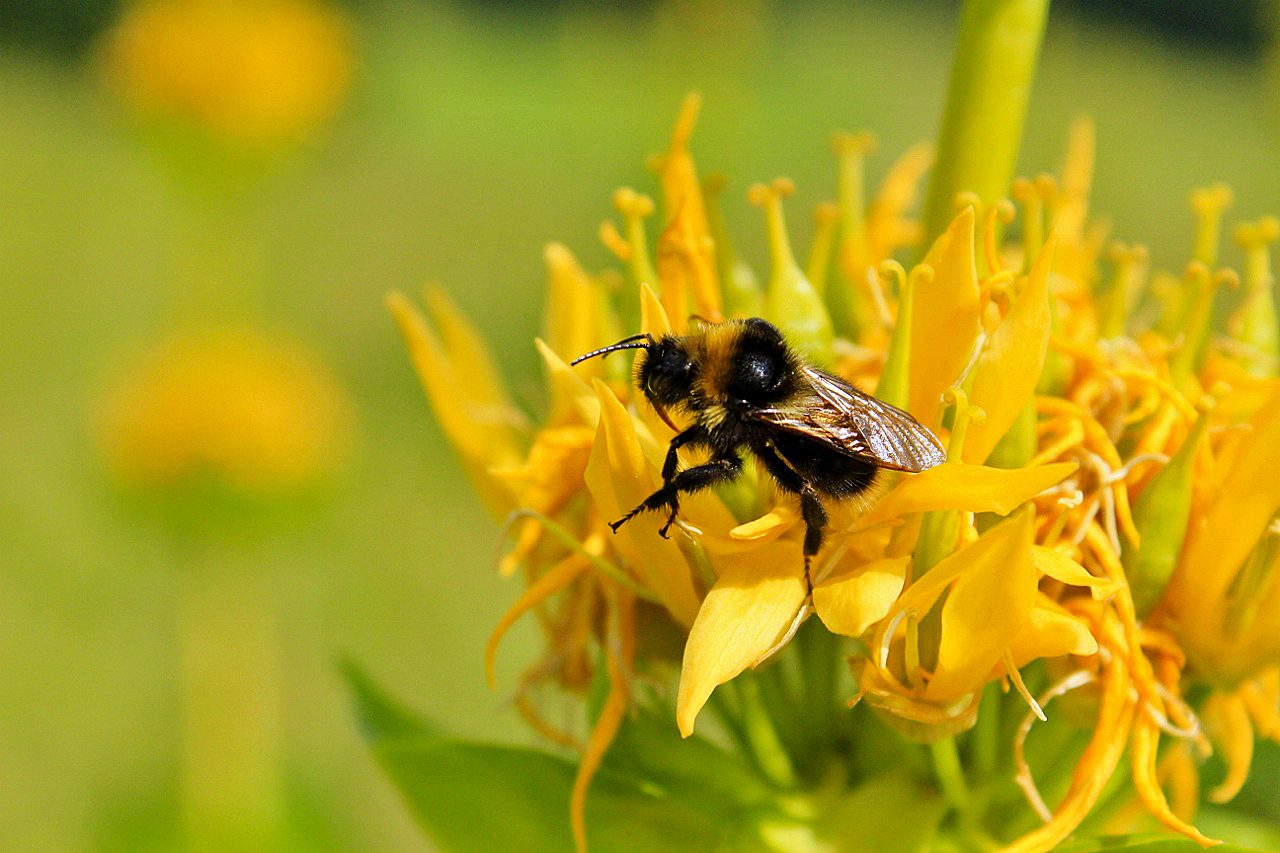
pixel 1101 756
pixel 653 317
pixel 748 611
pixel 465 391
pixel 923 722
pixel 567 385
pixel 722 536
pixel 946 319
pixel 851 603
pixel 1142 747
pixel 986 608
pixel 619 653
pixel 971 488
pixel 1007 371
pixel 575 306
pixel 1226 720
pixel 685 256
pixel 554 580
pixel 1248 498
pixel 1051 631
pixel 682 200
pixel 771 524
pixel 1262 698
pixel 620 477
pixel 1062 568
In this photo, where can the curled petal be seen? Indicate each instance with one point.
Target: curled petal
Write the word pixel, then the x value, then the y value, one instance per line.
pixel 1143 742
pixel 1226 719
pixel 922 721
pixel 851 603
pixel 1099 761
pixel 1060 567
pixel 752 605
pixel 1051 631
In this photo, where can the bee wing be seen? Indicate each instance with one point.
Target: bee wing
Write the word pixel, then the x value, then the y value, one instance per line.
pixel 858 424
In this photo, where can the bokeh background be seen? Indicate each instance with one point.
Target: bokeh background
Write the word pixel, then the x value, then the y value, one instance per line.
pixel 463 137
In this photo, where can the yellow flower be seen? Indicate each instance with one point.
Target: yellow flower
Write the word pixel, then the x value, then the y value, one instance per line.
pixel 943 600
pixel 249 73
pixel 246 413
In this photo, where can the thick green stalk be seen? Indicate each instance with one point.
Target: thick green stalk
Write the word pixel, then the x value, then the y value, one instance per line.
pixel 991 76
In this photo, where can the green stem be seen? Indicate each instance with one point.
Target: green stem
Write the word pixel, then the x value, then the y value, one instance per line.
pixel 231 709
pixel 820 660
pixel 991 77
pixel 986 734
pixel 946 764
pixel 766 747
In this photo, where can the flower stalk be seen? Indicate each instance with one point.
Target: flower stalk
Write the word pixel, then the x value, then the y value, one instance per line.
pixel 990 86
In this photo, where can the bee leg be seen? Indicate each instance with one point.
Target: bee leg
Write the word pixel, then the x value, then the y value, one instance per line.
pixel 717 470
pixel 815 520
pixel 693 435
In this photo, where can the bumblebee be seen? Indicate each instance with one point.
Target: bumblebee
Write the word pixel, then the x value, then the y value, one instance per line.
pixel 744 389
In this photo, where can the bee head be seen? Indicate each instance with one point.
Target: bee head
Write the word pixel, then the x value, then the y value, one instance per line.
pixel 667 372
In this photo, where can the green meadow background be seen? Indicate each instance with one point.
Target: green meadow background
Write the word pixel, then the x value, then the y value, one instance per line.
pixel 473 135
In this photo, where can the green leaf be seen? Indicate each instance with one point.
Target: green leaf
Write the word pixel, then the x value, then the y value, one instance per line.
pixel 482 797
pixel 485 797
pixel 649 749
pixel 380 717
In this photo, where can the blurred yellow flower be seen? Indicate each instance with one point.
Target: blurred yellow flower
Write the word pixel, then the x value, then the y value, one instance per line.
pixel 251 74
pixel 237 410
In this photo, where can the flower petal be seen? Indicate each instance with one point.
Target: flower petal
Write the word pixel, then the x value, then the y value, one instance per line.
pixel 970 488
pixel 946 319
pixel 1226 721
pixel 682 200
pixel 851 603
pixel 464 389
pixel 751 607
pixel 1143 741
pixel 1051 631
pixel 568 385
pixel 1062 568
pixel 575 307
pixel 620 477
pixel 987 606
pixel 1248 498
pixel 1100 759
pixel 1009 367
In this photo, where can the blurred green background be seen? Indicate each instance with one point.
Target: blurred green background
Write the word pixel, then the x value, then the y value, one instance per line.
pixel 471 135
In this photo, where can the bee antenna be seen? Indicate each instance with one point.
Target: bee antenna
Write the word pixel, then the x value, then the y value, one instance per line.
pixel 641 341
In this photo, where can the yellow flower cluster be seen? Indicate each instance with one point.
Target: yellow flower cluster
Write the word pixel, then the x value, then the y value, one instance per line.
pixel 251 74
pixel 1133 468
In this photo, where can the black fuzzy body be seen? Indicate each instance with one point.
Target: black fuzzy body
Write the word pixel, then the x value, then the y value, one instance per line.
pixel 745 391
